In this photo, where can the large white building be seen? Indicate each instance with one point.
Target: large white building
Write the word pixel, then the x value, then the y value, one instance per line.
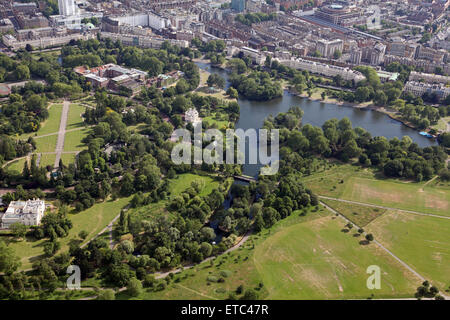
pixel 323 69
pixel 428 77
pixel 28 213
pixel 327 48
pixel 67 7
pixel 149 19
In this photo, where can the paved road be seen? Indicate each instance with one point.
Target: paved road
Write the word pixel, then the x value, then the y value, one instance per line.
pixel 383 207
pixel 62 132
pixel 403 263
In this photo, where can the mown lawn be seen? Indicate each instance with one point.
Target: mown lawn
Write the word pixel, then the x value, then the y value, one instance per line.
pixel 68 158
pixel 73 139
pixel 51 125
pixel 300 257
pixel 47 159
pixel 46 144
pixel 74 119
pixel 16 165
pixel 221 120
pixel 183 181
pixel 92 220
pixel 358 214
pixel 422 242
pixel 358 184
pixel 316 260
pixel 398 194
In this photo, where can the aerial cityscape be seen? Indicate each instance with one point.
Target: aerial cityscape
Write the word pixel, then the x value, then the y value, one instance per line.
pixel 225 150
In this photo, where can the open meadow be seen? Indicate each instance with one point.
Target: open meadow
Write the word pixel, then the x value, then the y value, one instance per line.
pixel 92 220
pixel 354 183
pixel 300 257
pixel 422 242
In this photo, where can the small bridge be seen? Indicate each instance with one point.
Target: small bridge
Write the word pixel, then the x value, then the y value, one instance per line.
pixel 244 178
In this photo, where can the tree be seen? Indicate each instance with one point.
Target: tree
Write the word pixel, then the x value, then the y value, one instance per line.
pixel 9 262
pixel 134 287
pixel 380 98
pixel 206 249
pixel 232 92
pixel 214 80
pixel 250 294
pixel 22 72
pixel 369 237
pixel 18 230
pixel 337 54
pixel 362 94
pixel 107 294
pixel 83 234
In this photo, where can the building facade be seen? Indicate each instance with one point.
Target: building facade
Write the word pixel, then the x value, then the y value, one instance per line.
pixel 28 213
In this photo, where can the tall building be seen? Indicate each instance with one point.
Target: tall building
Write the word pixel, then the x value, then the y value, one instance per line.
pixel 238 5
pixel 328 48
pixel 67 7
pixel 355 56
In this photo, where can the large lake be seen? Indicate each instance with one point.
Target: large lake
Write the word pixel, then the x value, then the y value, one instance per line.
pixel 253 113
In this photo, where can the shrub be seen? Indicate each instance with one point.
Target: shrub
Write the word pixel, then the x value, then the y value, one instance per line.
pixel 212 279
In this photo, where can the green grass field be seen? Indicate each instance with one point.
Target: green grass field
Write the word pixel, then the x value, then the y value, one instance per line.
pixel 68 158
pixel 300 257
pixel 46 144
pixel 422 242
pixel 92 220
pixel 183 181
pixel 399 195
pixel 358 214
pixel 16 165
pixel 72 140
pixel 357 184
pixel 315 260
pixel 51 125
pixel 221 120
pixel 74 119
pixel 442 124
pixel 47 159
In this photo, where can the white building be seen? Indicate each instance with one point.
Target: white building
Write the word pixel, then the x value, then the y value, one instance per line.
pixel 191 116
pixel 143 41
pixel 323 69
pixel 67 7
pixel 327 48
pixel 43 42
pixel 419 88
pixel 428 77
pixel 28 213
pixel 149 19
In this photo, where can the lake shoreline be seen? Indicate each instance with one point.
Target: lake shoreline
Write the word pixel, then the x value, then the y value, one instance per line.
pixel 361 106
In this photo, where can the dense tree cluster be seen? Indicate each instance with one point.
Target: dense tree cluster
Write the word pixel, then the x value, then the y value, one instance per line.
pixel 396 158
pixel 23 114
pixel 254 17
pixel 256 86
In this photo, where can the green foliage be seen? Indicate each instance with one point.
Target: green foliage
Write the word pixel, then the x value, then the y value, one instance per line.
pixel 256 17
pixel 256 86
